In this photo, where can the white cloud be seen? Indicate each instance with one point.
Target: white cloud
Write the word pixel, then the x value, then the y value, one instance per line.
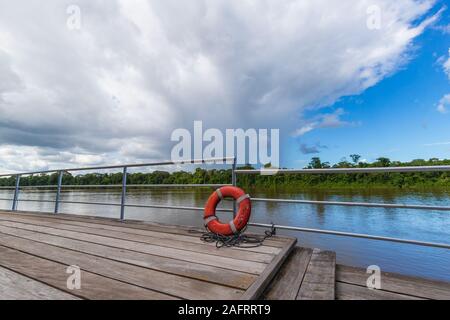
pixel 304 129
pixel 26 158
pixel 444 104
pixel 437 144
pixel 446 65
pixel 445 29
pixel 114 90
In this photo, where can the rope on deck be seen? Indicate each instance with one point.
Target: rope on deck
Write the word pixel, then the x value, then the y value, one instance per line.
pixel 238 240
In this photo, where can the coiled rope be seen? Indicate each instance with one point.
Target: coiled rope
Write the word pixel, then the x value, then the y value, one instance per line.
pixel 238 240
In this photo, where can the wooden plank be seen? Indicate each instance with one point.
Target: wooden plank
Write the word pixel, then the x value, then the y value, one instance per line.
pixel 192 236
pixel 54 274
pixel 188 269
pixel 319 280
pixel 14 286
pixel 287 282
pixel 210 249
pixel 169 284
pixel 345 291
pixel 257 288
pixel 391 282
pixel 195 257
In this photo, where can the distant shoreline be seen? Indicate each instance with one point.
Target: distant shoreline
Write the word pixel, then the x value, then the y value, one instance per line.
pixel 282 188
pixel 295 182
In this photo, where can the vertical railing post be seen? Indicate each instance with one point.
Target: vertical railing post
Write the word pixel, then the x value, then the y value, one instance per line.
pixel 16 194
pixel 124 193
pixel 58 191
pixel 234 182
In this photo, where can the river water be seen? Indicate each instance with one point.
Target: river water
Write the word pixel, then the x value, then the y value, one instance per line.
pixel 432 226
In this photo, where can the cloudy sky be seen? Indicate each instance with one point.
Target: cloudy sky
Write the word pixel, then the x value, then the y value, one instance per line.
pixel 112 86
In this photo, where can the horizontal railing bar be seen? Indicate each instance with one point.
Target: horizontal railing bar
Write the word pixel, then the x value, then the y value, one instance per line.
pixel 127 205
pixel 348 170
pixel 31 187
pixel 38 187
pixel 175 207
pixel 91 186
pixel 147 186
pixel 91 203
pixel 331 203
pixel 353 235
pixel 178 185
pixel 355 204
pixel 313 202
pixel 36 200
pixel 133 165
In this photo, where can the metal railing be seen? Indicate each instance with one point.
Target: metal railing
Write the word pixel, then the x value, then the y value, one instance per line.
pixel 235 173
pixel 123 186
pixel 353 204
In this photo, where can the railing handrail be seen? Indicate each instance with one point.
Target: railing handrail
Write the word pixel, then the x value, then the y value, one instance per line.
pixel 111 186
pixel 119 166
pixel 348 170
pixel 355 204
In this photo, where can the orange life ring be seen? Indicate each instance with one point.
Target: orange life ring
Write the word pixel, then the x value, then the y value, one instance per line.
pixel 239 222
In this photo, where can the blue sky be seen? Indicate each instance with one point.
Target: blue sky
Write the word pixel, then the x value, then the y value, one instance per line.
pixel 397 118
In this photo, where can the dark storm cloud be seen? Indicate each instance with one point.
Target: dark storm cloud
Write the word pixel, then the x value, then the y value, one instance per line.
pixel 311 149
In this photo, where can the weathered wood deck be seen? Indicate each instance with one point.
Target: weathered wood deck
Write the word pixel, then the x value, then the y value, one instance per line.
pixel 128 260
pixel 313 275
pixel 136 260
pixel 351 285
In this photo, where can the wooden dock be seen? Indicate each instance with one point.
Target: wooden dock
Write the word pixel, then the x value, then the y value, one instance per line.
pixel 127 260
pixel 137 260
pixel 313 275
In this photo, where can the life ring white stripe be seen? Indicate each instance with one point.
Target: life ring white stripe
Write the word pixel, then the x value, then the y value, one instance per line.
pixel 242 198
pixel 209 219
pixel 233 227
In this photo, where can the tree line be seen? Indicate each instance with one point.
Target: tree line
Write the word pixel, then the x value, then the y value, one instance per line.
pixel 223 176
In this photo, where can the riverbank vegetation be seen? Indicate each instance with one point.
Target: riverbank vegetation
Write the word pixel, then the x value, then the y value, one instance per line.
pixel 293 181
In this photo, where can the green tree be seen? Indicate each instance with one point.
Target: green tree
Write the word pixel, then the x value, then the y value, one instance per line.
pixel 383 162
pixel 315 163
pixel 355 158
